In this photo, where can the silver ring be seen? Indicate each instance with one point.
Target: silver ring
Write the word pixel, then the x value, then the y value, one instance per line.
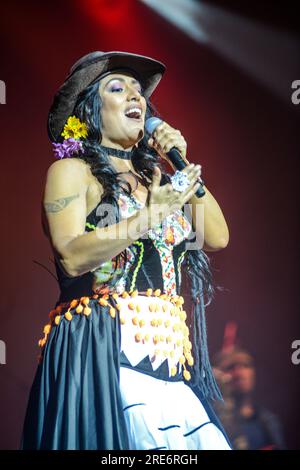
pixel 180 181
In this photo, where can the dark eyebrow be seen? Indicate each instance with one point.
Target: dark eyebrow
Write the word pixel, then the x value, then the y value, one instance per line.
pixel 133 80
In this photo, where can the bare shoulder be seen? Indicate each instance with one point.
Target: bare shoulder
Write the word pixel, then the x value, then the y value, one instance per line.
pixel 69 168
pixel 70 179
pixel 64 200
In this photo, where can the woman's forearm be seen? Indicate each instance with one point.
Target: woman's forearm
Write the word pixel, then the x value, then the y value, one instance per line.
pixel 209 222
pixel 89 250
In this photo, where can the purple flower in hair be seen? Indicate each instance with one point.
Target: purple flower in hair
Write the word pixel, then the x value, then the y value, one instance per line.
pixel 67 148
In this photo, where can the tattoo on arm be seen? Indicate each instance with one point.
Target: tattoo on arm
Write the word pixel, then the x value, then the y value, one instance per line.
pixel 59 204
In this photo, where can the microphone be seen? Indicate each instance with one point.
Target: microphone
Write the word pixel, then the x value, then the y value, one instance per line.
pixel 173 154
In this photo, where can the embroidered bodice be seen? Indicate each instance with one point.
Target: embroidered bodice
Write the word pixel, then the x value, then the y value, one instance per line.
pixel 153 261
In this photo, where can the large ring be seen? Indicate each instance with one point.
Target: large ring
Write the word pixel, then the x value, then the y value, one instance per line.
pixel 180 181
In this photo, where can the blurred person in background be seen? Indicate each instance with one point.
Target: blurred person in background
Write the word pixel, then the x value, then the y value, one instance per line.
pixel 248 424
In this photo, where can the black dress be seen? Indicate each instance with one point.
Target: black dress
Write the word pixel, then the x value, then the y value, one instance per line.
pixel 75 401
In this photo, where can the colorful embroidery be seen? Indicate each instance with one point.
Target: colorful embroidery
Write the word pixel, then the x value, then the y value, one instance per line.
pixel 172 231
pixel 140 260
pixel 109 274
pixel 91 226
pixel 128 205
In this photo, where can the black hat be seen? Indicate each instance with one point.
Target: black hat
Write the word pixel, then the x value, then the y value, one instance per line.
pixel 88 69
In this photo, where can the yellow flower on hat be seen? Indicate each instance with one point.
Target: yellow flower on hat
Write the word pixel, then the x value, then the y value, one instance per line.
pixel 74 128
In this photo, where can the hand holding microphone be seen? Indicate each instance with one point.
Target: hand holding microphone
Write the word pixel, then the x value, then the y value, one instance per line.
pixel 171 146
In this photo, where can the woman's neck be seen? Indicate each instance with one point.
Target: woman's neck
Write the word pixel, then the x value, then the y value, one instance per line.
pixel 121 165
pixel 120 153
pixel 120 158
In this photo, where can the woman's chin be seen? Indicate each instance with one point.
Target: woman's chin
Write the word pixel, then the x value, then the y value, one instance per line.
pixel 136 135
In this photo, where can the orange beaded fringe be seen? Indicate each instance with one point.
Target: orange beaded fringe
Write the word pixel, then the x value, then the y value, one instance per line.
pixel 81 306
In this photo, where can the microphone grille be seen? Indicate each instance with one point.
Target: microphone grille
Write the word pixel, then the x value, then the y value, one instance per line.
pixel 151 124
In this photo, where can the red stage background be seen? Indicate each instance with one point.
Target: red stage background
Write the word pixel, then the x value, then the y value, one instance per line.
pixel 245 138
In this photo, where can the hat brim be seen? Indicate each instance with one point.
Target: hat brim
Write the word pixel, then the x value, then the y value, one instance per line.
pixel 88 69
